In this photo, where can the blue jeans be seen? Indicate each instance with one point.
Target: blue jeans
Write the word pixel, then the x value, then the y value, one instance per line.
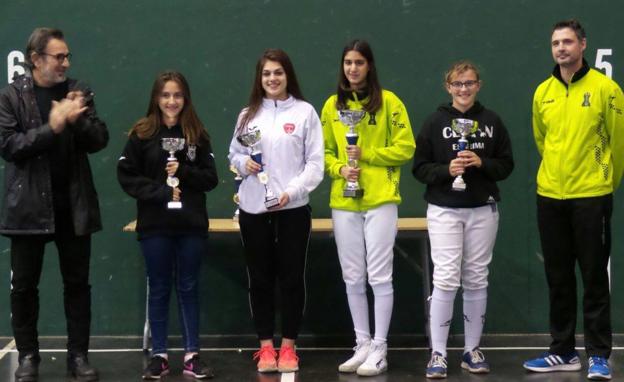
pixel 169 258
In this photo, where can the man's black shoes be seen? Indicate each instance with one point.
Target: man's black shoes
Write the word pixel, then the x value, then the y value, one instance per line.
pixel 79 368
pixel 28 369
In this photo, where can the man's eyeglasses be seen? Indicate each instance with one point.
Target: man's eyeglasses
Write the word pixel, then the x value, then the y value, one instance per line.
pixel 60 58
pixel 458 84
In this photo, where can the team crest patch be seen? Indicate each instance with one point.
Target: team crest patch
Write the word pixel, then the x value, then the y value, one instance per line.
pixel 289 128
pixel 586 100
pixel 191 153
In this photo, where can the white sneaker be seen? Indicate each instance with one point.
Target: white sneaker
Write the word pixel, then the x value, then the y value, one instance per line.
pixel 361 352
pixel 375 363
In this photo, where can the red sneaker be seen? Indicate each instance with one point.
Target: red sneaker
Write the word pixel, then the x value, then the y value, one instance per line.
pixel 267 359
pixel 288 360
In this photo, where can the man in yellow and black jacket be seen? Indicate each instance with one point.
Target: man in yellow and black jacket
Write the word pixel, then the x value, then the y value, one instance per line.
pixel 578 124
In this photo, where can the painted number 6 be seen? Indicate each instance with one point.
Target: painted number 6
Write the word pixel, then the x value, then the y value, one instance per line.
pixel 14 60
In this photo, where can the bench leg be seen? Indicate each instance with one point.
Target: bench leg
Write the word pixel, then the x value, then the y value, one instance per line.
pixel 146 326
pixel 427 269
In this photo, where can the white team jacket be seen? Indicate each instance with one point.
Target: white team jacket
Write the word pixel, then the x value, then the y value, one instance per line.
pixel 292 153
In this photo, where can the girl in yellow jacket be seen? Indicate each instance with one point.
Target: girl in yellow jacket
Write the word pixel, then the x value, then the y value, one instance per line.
pixel 365 217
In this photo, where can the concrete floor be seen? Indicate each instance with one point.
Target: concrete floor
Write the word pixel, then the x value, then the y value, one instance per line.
pixel 118 361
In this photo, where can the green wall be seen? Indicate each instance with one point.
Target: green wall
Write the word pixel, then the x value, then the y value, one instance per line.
pixel 119 46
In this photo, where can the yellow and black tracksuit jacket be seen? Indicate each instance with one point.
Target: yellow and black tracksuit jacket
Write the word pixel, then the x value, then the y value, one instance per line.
pixel 579 132
pixel 387 142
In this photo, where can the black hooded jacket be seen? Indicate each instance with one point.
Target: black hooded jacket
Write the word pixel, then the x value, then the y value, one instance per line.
pixel 436 146
pixel 141 174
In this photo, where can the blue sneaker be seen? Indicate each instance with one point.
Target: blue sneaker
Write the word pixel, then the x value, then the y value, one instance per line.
pixel 599 369
pixel 474 362
pixel 436 368
pixel 548 362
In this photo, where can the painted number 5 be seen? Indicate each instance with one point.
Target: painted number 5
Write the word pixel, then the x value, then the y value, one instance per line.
pixel 601 64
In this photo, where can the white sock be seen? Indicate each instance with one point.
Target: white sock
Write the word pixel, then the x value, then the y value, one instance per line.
pixel 358 305
pixel 161 355
pixel 188 356
pixel 440 316
pixel 384 302
pixel 475 302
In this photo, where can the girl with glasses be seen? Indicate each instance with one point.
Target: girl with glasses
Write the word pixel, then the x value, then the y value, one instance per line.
pixel 462 215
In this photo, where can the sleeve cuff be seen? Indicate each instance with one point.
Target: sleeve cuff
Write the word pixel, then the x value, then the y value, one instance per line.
pixel 182 171
pixel 293 195
pixel 46 132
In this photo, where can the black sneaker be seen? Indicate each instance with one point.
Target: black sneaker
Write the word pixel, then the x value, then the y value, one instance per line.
pixel 28 369
pixel 156 368
pixel 78 367
pixel 197 368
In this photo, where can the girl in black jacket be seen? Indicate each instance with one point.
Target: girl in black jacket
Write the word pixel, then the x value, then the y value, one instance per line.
pixel 172 221
pixel 462 217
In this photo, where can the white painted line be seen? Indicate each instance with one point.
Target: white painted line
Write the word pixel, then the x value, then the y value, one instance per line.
pixel 288 377
pixel 490 348
pixel 10 348
pixel 7 349
pixel 129 350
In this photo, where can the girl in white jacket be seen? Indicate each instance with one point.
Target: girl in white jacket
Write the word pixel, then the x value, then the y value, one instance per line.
pixel 278 148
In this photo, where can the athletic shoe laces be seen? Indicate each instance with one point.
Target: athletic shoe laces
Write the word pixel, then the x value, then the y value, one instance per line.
pixel 476 356
pixel 437 360
pixel 598 361
pixel 265 352
pixel 287 354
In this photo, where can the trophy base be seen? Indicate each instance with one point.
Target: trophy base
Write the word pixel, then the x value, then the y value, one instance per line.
pixel 270 203
pixel 174 205
pixel 353 193
pixel 459 187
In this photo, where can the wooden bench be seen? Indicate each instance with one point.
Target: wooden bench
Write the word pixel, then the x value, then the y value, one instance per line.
pixel 417 226
pixel 318 225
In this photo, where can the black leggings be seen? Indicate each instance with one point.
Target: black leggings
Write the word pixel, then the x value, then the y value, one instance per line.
pixel 276 245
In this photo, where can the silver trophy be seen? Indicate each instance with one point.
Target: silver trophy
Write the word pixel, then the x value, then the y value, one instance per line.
pixel 238 179
pixel 251 140
pixel 463 127
pixel 352 118
pixel 172 145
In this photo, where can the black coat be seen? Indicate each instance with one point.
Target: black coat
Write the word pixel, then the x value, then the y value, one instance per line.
pixel 25 143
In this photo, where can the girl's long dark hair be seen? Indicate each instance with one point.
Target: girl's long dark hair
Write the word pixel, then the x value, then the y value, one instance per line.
pixel 257 91
pixel 192 127
pixel 372 81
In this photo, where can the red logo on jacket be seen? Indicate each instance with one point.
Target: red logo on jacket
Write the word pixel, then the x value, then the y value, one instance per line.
pixel 289 128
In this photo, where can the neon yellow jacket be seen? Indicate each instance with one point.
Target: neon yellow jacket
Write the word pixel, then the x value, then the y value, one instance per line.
pixel 579 132
pixel 386 141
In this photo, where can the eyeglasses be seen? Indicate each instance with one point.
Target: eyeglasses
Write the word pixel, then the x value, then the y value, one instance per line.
pixel 458 84
pixel 60 58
